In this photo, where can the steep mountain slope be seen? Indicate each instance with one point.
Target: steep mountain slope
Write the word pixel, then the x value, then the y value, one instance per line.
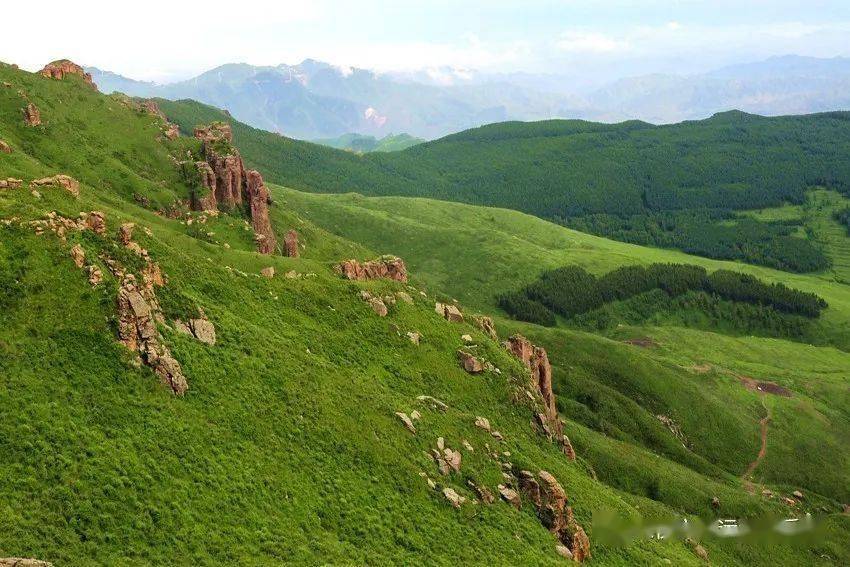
pixel 286 447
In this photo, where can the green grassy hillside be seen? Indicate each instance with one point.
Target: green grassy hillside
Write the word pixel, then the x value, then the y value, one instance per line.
pixel 286 447
pixel 674 186
pixel 474 254
pixel 361 143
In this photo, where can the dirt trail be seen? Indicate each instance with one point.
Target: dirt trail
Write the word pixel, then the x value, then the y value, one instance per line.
pixel 763 423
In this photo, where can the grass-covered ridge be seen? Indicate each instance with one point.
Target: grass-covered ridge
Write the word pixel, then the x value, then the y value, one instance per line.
pixel 286 447
pixel 675 186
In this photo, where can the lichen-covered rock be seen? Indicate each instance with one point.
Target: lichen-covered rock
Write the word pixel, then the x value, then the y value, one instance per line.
pixel 267 272
pixel 389 268
pixel 510 496
pixel 406 421
pixel 32 115
pixel 203 330
pixel 96 222
pixel 449 312
pixel 59 69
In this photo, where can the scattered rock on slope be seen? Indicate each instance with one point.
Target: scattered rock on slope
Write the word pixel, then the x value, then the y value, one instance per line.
pixel 470 363
pixel 449 312
pixel 23 562
pixel 386 267
pixel 66 182
pixel 5 148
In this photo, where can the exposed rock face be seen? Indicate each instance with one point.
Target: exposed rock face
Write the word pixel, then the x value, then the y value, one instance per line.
pixel 10 183
pixel 78 255
pixel 201 328
pixel 557 516
pixel 290 244
pixel 470 363
pixel 510 496
pixel 227 184
pixel 406 421
pixel 58 70
pixel 96 222
pixel 151 107
pixel 387 267
pixel 258 197
pixel 137 311
pixel 66 182
pixel 486 325
pixel 172 131
pixel 5 148
pixel 32 116
pixel 537 361
pixel 449 312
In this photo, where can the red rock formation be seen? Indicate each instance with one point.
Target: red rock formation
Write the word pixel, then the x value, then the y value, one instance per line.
pixel 58 70
pixel 32 116
pixel 151 107
pixel 258 198
pixel 172 131
pixel 290 244
pixel 227 184
pixel 388 267
pixel 557 516
pixel 537 361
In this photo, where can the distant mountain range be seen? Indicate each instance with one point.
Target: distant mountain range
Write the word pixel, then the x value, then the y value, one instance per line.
pixel 315 100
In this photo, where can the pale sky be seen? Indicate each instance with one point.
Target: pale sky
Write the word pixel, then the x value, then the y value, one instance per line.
pixel 162 41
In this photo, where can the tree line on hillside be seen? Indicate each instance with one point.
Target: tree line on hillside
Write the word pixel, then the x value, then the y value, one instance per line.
pixel 713 233
pixel 843 217
pixel 572 291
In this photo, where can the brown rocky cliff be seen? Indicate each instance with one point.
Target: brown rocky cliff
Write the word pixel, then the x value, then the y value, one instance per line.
pixel 227 184
pixel 58 70
pixel 258 198
pixel 537 361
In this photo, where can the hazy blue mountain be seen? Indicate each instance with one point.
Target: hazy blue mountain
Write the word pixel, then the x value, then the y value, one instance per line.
pixel 316 100
pixel 780 85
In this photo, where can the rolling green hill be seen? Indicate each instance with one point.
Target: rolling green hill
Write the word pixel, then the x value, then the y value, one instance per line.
pixel 675 186
pixel 286 447
pixel 359 143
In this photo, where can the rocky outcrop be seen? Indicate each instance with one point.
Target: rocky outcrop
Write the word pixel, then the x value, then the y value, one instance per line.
pixel 137 310
pixel 169 130
pixel 470 363
pixel 10 183
pixel 23 562
pixel 200 328
pixel 386 267
pixel 66 182
pixel 290 244
pixel 449 312
pixel 5 148
pixel 32 116
pixel 486 325
pixel 557 517
pixel 536 361
pixel 59 69
pixel 258 197
pixel 227 184
pixel 214 132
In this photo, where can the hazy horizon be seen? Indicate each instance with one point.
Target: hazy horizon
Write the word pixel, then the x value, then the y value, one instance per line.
pixel 596 42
